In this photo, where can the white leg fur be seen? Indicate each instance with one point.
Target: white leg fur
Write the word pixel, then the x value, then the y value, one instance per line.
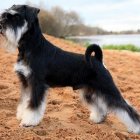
pixel 97 116
pixel 27 116
pixel 19 111
pixel 132 126
pixel 24 99
pixel 33 117
pixel 98 110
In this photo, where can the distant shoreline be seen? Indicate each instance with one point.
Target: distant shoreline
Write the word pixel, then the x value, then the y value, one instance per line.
pixel 121 39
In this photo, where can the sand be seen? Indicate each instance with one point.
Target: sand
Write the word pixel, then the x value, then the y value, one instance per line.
pixel 66 118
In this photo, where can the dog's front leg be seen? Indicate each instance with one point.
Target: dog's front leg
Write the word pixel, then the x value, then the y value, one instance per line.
pixel 24 96
pixel 23 102
pixel 35 103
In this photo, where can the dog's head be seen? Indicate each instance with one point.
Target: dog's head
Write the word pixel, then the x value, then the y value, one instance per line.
pixel 16 21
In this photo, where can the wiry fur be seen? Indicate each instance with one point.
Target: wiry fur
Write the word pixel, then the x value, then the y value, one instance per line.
pixel 13 36
pixel 26 115
pixel 22 68
pixel 41 65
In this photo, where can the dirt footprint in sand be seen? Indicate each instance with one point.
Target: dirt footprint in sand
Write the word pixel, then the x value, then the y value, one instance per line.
pixel 2 87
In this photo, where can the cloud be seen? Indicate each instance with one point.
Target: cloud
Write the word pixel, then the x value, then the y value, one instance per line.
pixel 108 14
pixel 123 15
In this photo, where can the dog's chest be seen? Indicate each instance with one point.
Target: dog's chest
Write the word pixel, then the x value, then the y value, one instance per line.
pixel 22 68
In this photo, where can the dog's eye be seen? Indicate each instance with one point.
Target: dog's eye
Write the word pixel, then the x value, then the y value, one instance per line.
pixel 6 16
pixel 16 17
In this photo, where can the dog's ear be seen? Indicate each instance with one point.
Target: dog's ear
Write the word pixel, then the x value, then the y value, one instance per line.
pixel 31 13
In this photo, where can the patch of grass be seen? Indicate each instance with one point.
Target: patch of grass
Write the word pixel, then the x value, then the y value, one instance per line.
pixel 86 44
pixel 129 47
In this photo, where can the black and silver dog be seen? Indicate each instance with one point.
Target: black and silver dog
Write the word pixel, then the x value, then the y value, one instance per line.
pixel 41 65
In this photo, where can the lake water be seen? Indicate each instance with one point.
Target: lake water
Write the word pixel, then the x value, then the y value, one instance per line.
pixel 109 39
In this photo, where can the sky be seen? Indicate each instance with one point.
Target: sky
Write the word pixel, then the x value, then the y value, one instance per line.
pixel 111 15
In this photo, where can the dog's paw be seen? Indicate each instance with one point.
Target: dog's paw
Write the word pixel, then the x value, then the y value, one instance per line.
pixel 134 129
pixel 19 116
pixel 96 118
pixel 19 112
pixel 30 118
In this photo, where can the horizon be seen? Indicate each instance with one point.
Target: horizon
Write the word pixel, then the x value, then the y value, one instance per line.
pixel 110 15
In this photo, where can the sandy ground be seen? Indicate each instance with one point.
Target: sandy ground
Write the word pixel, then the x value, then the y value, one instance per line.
pixel 66 118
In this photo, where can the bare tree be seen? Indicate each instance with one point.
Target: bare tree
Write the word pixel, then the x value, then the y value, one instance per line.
pixel 65 21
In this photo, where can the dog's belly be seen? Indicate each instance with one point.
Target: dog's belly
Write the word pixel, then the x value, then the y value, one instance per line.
pixel 75 81
pixel 75 87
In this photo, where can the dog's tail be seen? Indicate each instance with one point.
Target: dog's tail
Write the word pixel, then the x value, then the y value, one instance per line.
pixel 98 53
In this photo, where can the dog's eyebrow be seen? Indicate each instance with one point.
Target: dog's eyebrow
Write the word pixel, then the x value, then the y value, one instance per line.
pixel 12 12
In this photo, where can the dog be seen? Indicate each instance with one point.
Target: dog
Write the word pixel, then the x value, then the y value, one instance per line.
pixel 41 65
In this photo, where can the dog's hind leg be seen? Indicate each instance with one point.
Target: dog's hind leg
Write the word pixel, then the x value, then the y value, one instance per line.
pixel 128 115
pixel 116 104
pixel 96 105
pixel 36 103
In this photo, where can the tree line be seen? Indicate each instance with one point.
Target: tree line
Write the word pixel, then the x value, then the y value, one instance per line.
pixel 60 23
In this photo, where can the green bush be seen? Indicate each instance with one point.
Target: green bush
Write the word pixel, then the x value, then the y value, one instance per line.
pixel 129 47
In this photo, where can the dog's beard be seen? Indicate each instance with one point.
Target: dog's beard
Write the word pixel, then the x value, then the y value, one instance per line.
pixel 11 43
pixel 13 37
